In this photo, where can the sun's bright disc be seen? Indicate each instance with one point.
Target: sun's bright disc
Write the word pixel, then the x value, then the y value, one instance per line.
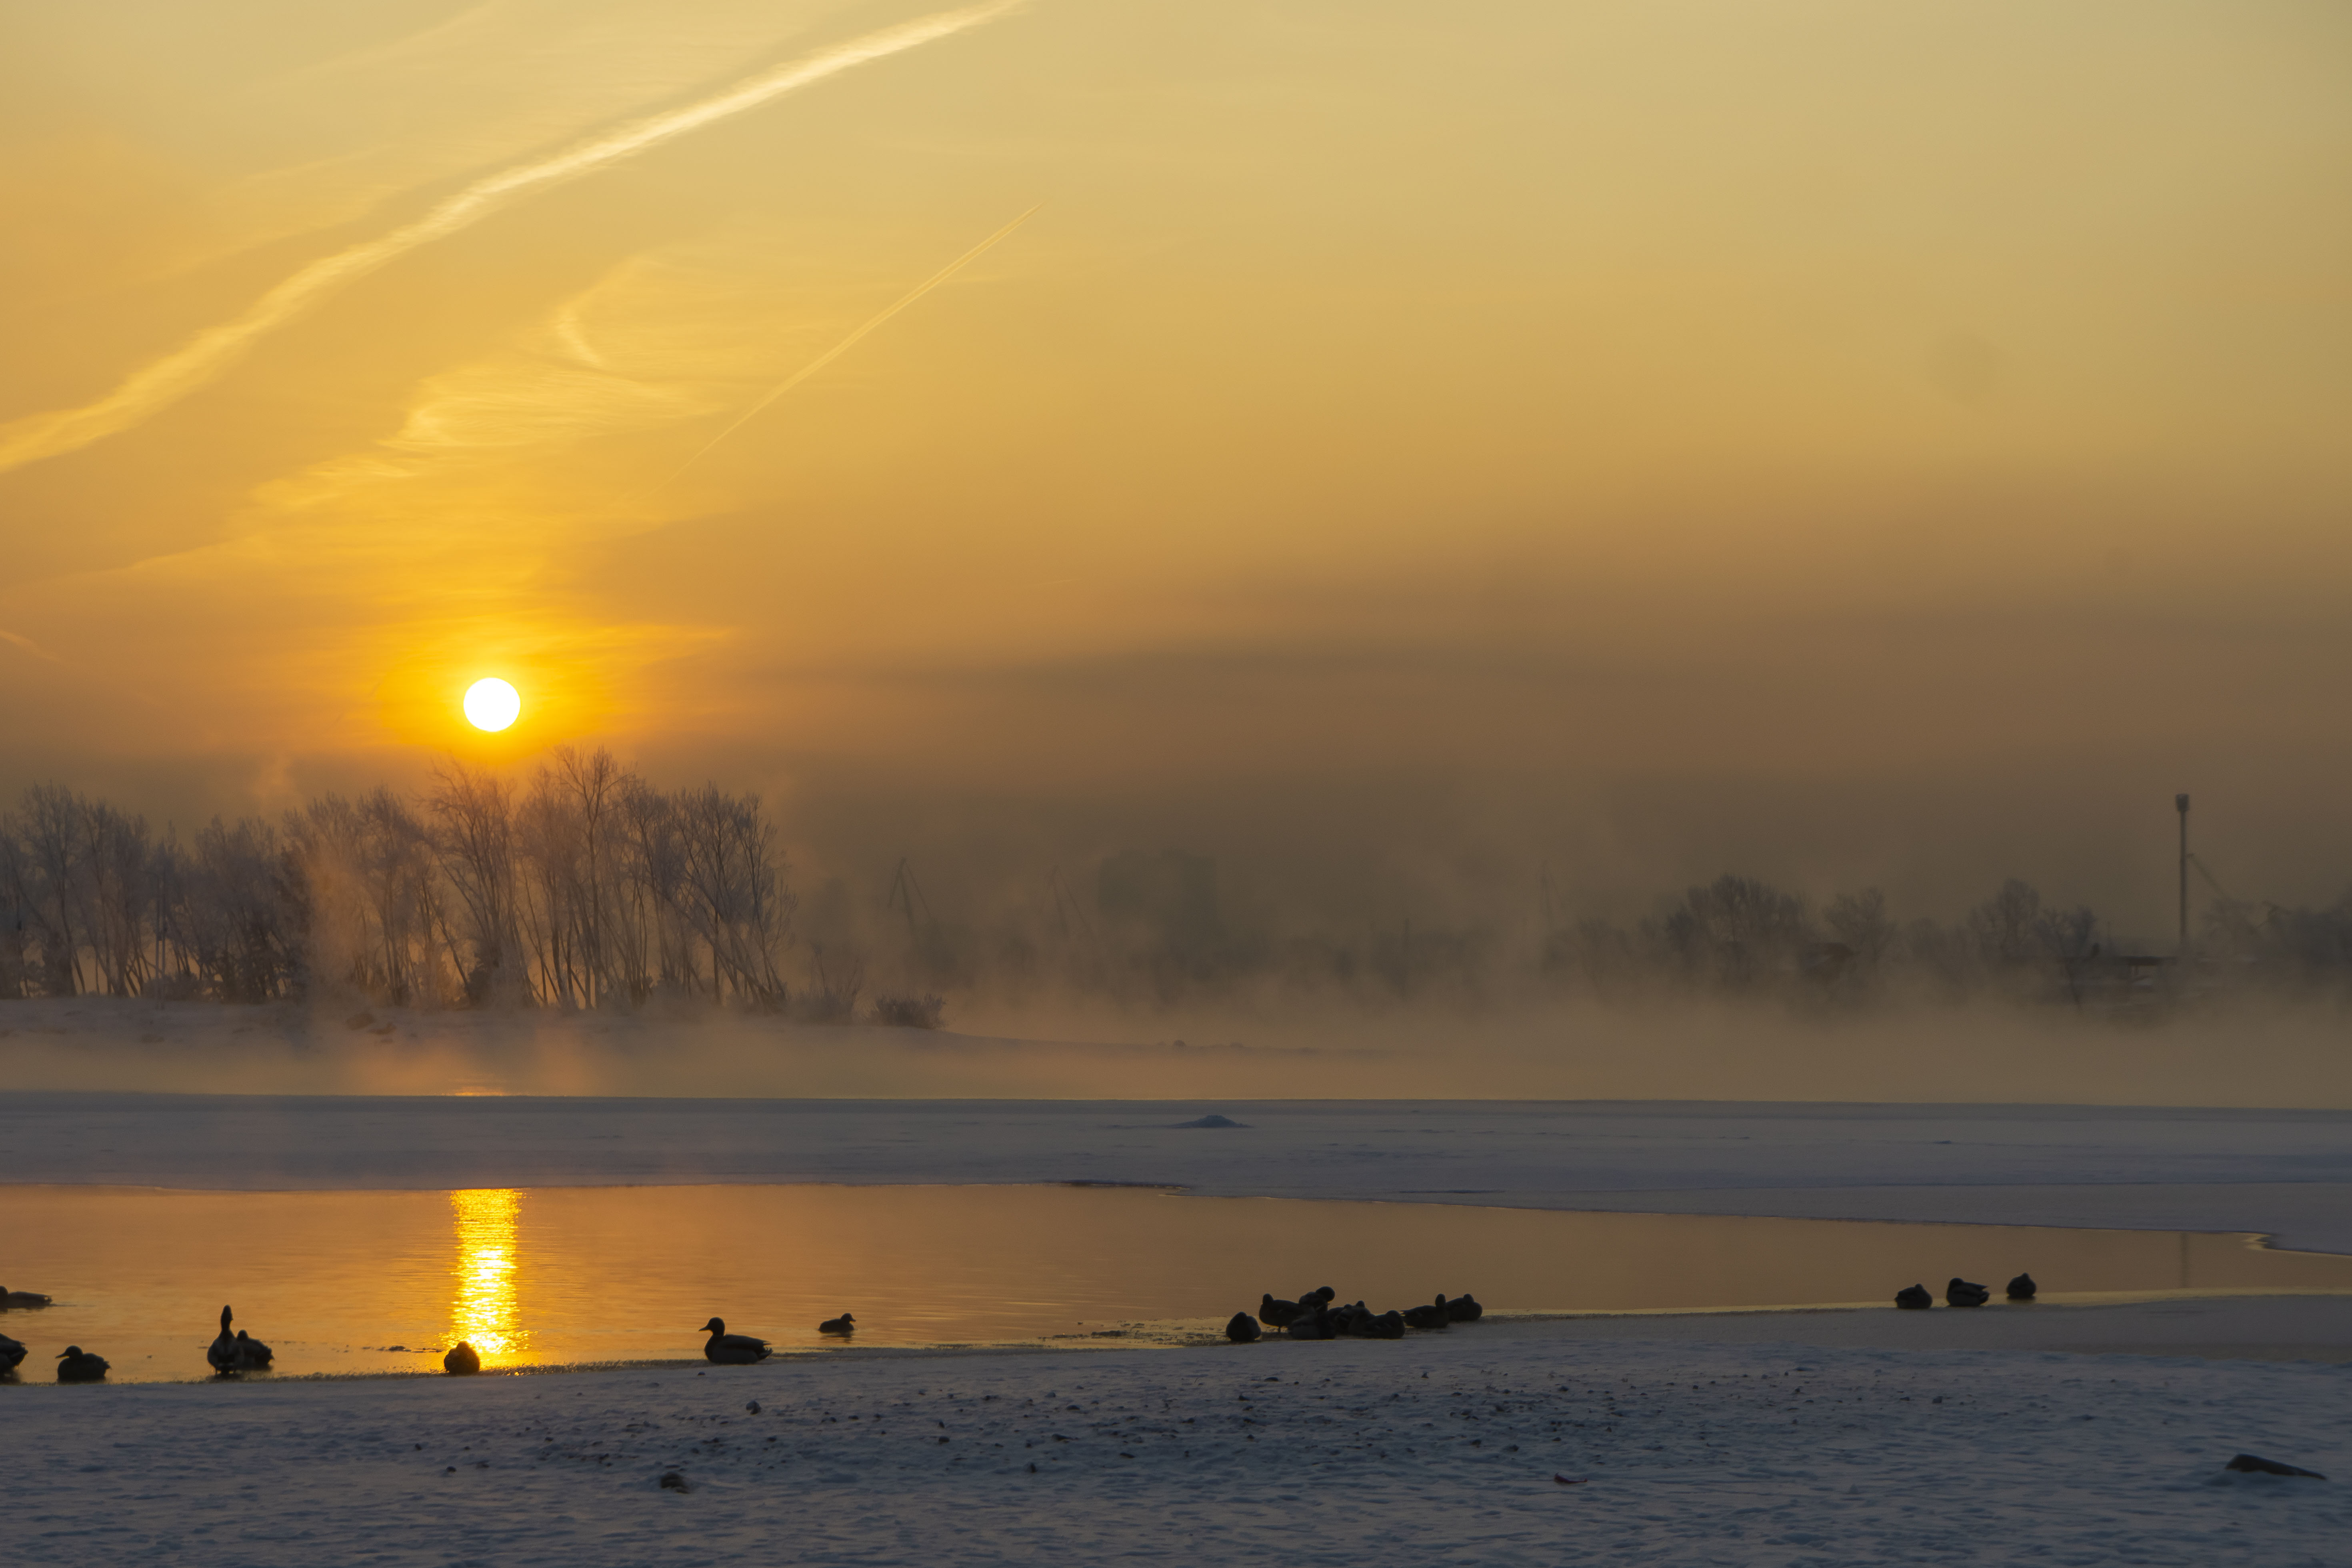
pixel 492 704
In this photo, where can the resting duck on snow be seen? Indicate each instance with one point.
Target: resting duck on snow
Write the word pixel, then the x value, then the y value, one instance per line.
pixel 11 1352
pixel 1914 1297
pixel 844 1324
pixel 462 1361
pixel 76 1364
pixel 23 1298
pixel 2021 1289
pixel 1961 1293
pixel 1241 1328
pixel 1464 1309
pixel 1277 1314
pixel 731 1350
pixel 1435 1316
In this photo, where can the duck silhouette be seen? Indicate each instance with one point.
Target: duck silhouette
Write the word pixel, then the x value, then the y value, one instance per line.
pixel 2022 1288
pixel 1321 1295
pixel 1464 1309
pixel 844 1324
pixel 222 1352
pixel 1430 1317
pixel 252 1355
pixel 1316 1325
pixel 1277 1314
pixel 462 1361
pixel 16 1298
pixel 11 1352
pixel 1914 1296
pixel 76 1364
pixel 1241 1328
pixel 731 1350
pixel 1961 1293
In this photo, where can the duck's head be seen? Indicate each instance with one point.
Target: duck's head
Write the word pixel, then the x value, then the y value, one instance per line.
pixel 225 1317
pixel 848 1318
pixel 70 1349
pixel 716 1326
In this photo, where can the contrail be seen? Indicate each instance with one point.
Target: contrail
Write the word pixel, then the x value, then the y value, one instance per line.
pixel 210 353
pixel 844 346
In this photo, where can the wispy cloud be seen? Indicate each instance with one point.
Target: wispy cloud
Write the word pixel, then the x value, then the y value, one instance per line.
pixel 211 352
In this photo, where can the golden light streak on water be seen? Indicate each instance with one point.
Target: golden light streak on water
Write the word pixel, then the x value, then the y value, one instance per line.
pixel 483 1310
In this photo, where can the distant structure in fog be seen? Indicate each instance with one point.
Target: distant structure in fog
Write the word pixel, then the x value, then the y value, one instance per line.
pixel 2181 804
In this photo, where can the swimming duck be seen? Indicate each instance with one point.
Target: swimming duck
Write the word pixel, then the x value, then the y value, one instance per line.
pixel 462 1361
pixel 1961 1293
pixel 731 1350
pixel 1277 1314
pixel 252 1355
pixel 844 1324
pixel 1464 1309
pixel 2021 1289
pixel 222 1351
pixel 11 1352
pixel 1914 1296
pixel 23 1298
pixel 76 1364
pixel 1241 1328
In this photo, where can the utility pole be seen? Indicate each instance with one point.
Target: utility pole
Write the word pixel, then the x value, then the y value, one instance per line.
pixel 2181 804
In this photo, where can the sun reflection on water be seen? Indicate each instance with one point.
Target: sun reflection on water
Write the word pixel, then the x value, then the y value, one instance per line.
pixel 482 1313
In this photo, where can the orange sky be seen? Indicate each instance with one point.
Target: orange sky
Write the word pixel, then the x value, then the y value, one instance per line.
pixel 1836 441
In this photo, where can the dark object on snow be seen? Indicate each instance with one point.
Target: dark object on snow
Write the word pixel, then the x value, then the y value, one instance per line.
pixel 462 1361
pixel 1388 1325
pixel 1579 1481
pixel 731 1350
pixel 1961 1293
pixel 844 1324
pixel 2255 1465
pixel 1316 1326
pixel 1214 1120
pixel 11 1352
pixel 1464 1309
pixel 1241 1329
pixel 1322 1293
pixel 752 1408
pixel 2021 1289
pixel 1277 1314
pixel 672 1481
pixel 76 1364
pixel 252 1355
pixel 1430 1317
pixel 9 1298
pixel 1914 1297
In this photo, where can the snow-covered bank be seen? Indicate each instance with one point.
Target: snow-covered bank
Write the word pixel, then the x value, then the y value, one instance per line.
pixel 2284 1172
pixel 1531 1444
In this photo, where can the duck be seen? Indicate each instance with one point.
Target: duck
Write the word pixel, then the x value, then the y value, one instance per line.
pixel 1277 1314
pixel 11 1352
pixel 1431 1317
pixel 1961 1293
pixel 1388 1325
pixel 15 1299
pixel 1317 1326
pixel 252 1355
pixel 76 1364
pixel 1322 1294
pixel 2022 1288
pixel 1913 1298
pixel 222 1351
pixel 732 1350
pixel 844 1324
pixel 1464 1309
pixel 1241 1328
pixel 462 1361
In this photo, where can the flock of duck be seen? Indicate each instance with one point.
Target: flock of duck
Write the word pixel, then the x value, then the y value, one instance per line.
pixel 1313 1317
pixel 1961 1293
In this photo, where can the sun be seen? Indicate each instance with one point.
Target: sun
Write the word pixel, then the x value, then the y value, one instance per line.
pixel 492 704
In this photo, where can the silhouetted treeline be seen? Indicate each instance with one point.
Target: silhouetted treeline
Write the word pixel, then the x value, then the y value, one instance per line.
pixel 584 886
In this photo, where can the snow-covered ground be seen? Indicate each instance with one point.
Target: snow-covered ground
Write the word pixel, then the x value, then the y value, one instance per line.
pixel 1496 1445
pixel 2287 1172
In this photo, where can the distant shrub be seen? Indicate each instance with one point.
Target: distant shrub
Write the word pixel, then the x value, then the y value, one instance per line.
pixel 905 1010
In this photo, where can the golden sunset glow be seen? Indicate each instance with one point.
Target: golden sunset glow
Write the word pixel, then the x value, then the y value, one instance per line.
pixel 1606 437
pixel 492 704
pixel 483 1283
